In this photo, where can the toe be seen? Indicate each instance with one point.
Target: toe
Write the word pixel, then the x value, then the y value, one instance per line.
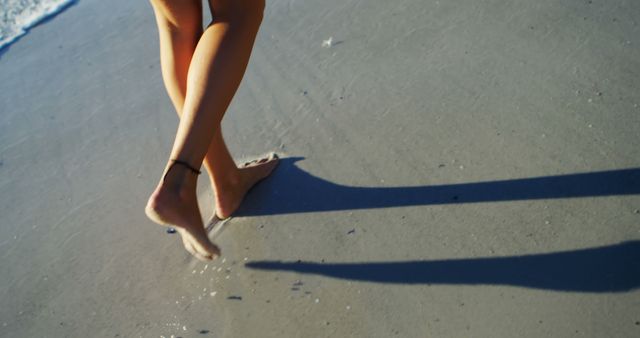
pixel 246 164
pixel 196 252
pixel 203 246
pixel 271 157
pixel 203 257
pixel 189 247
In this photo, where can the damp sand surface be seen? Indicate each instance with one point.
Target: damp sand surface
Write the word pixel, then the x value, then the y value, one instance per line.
pixel 450 169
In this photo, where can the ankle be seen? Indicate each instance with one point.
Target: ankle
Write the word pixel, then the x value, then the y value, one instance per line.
pixel 175 183
pixel 179 176
pixel 230 182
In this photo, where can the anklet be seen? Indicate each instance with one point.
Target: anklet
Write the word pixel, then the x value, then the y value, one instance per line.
pixel 183 163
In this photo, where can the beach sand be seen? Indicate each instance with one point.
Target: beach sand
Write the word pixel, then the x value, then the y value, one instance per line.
pixel 440 138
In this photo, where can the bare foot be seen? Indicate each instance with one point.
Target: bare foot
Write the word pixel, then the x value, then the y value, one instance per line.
pixel 174 203
pixel 228 200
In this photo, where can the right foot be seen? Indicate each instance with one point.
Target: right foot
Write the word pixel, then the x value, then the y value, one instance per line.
pixel 176 205
pixel 228 199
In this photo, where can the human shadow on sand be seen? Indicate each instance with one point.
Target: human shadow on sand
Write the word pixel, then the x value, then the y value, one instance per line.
pixel 614 268
pixel 292 190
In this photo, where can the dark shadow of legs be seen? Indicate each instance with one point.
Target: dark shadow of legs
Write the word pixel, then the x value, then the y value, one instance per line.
pixel 614 268
pixel 291 190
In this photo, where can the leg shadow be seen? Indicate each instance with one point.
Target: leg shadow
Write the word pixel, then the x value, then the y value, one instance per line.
pixel 614 268
pixel 292 190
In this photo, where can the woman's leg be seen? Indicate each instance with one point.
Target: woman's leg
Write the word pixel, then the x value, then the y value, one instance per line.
pixel 180 28
pixel 216 66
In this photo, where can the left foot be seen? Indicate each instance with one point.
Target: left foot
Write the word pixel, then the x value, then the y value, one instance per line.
pixel 176 204
pixel 229 199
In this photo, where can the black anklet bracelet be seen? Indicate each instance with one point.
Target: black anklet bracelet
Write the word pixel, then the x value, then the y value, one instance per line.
pixel 196 171
pixel 183 163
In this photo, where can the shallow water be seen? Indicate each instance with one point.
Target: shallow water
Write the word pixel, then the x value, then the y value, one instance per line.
pixel 20 15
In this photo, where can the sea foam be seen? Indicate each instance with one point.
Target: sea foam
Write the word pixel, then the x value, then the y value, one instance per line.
pixel 17 16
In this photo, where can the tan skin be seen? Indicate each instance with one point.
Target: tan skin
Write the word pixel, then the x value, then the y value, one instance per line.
pixel 202 70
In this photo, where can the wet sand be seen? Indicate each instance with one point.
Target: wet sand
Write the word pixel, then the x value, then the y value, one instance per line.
pixel 450 169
